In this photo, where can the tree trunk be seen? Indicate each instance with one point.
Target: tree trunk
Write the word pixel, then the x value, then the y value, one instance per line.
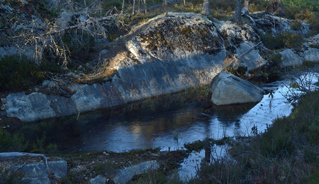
pixel 246 5
pixel 145 7
pixel 133 11
pixel 205 10
pixel 139 6
pixel 184 2
pixel 238 12
pixel 122 11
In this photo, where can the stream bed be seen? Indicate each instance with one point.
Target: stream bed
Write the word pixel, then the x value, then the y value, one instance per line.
pixel 167 126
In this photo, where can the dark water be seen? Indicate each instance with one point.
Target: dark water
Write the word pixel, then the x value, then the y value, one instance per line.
pixel 155 124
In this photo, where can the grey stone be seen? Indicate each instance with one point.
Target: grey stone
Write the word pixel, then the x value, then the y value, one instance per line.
pixel 29 107
pixel 11 50
pixel 289 58
pixel 312 54
pixel 252 59
pixel 33 173
pixel 187 59
pixel 276 25
pixel 126 174
pixel 48 83
pixel 59 168
pixel 98 180
pixel 62 106
pixel 229 89
pixel 64 19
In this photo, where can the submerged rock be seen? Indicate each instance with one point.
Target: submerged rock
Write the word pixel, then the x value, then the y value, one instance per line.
pixel 228 89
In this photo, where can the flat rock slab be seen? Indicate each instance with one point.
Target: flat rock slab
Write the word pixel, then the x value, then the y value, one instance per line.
pixel 37 173
pixel 251 59
pixel 289 58
pixel 59 168
pixel 126 174
pixel 33 173
pixel 229 89
pixel 312 54
pixel 98 180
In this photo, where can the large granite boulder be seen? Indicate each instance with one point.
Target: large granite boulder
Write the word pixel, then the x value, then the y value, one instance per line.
pixel 167 54
pixel 229 89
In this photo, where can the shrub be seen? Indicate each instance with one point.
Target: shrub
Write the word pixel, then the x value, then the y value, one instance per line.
pixel 19 73
pixel 295 25
pixel 10 142
pixel 273 42
pixel 282 40
pixel 276 58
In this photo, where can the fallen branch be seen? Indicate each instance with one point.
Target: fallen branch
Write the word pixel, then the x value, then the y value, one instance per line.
pixel 108 18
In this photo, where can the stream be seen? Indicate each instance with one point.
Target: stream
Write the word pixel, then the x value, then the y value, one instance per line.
pixel 166 126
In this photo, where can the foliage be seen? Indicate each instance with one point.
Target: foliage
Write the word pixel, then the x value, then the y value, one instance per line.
pixel 282 40
pixel 13 142
pixel 295 25
pixel 156 177
pixel 111 3
pixel 19 72
pixel 10 177
pixel 312 5
pixel 276 58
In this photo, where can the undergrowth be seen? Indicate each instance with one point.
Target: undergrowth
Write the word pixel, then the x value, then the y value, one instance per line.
pixel 19 73
pixel 282 40
pixel 286 153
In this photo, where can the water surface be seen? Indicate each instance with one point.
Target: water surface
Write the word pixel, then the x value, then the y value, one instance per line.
pixel 159 125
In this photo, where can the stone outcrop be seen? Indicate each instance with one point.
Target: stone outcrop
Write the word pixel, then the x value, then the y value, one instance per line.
pixel 167 54
pixel 228 89
pixel 276 25
pixel 125 175
pixel 34 171
pixel 290 58
pixel 173 53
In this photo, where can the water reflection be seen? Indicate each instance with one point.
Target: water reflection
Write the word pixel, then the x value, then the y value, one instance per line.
pixel 171 126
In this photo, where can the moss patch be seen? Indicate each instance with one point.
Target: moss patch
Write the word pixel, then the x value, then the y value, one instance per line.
pixel 175 33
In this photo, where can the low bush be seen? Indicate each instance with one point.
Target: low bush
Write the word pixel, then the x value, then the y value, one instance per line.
pixel 19 73
pixel 282 40
pixel 287 152
pixel 295 25
pixel 10 142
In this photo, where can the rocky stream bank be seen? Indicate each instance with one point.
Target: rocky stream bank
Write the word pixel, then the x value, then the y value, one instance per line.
pixel 169 53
